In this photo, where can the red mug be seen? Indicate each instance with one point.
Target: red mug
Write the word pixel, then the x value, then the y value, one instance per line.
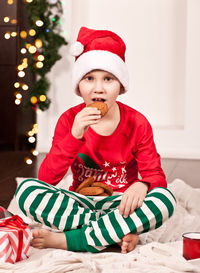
pixel 191 245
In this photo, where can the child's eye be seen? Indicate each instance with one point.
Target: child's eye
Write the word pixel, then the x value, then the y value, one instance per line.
pixel 89 78
pixel 108 79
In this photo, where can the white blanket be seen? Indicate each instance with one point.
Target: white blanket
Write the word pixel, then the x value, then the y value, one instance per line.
pixel 159 250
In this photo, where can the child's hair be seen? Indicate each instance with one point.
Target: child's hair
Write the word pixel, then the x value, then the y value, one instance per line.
pixel 99 50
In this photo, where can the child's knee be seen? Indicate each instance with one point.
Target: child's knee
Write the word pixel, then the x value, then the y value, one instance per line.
pixel 163 199
pixel 23 190
pixel 27 186
pixel 25 183
pixel 162 193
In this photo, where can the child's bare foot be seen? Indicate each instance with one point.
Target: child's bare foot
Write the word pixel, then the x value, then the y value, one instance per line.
pixel 43 238
pixel 129 242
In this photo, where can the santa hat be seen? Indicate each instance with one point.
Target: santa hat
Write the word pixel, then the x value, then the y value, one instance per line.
pixel 99 49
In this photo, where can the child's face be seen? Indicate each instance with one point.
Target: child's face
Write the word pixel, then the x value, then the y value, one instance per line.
pixel 99 85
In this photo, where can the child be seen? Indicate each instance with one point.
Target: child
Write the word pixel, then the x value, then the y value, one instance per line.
pixel 112 149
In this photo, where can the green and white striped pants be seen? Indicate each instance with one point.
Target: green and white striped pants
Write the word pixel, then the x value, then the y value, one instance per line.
pixel 91 223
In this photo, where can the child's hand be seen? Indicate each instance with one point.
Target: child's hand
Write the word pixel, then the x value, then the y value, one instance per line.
pixel 86 117
pixel 133 198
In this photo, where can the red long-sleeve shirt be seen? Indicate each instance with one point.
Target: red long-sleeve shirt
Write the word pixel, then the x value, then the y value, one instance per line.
pixel 114 160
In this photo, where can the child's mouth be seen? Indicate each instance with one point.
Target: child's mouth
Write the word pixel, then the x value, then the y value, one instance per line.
pixel 98 99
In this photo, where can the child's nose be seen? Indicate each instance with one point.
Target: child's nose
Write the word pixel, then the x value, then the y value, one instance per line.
pixel 98 88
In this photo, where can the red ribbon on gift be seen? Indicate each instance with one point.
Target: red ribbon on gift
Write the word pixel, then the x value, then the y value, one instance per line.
pixel 15 222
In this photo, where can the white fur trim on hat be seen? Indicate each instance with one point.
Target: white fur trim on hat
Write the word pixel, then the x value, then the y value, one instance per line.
pixel 103 60
pixel 76 49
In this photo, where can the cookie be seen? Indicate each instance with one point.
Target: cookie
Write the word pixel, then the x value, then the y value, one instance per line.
pixel 91 191
pixel 106 188
pixel 103 194
pixel 86 183
pixel 102 106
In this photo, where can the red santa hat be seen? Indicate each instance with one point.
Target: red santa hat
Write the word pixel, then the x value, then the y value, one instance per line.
pixel 99 49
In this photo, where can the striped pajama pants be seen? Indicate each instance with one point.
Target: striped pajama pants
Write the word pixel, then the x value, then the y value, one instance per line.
pixel 91 223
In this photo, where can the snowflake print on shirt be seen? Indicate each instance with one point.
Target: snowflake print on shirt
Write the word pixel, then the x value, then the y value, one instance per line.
pixel 106 164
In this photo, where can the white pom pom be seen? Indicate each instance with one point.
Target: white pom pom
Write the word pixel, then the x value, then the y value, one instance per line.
pixel 76 49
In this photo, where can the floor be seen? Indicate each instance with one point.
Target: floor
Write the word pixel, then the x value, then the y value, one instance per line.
pixel 12 165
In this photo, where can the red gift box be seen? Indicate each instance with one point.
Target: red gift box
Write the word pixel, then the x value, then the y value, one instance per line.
pixel 14 239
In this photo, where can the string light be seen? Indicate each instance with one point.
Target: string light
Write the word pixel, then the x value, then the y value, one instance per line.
pixel 28 45
pixel 29 1
pixel 17 101
pixel 16 85
pixel 39 64
pixel 32 32
pixel 25 87
pixel 33 99
pixel 7 35
pixel 38 43
pixel 31 139
pixel 20 67
pixel 21 74
pixel 18 96
pixel 25 63
pixel 13 34
pixel 53 1
pixel 35 152
pixel 28 160
pixel 23 50
pixel 30 133
pixel 32 49
pixel 42 98
pixel 6 19
pixel 23 34
pixel 39 23
pixel 40 58
pixel 13 21
pixel 10 2
pixel 34 130
pixel 38 111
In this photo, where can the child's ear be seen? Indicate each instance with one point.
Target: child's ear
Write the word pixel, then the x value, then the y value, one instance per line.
pixel 121 89
pixel 78 91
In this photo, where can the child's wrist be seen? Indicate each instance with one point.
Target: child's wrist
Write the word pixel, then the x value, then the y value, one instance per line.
pixel 76 134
